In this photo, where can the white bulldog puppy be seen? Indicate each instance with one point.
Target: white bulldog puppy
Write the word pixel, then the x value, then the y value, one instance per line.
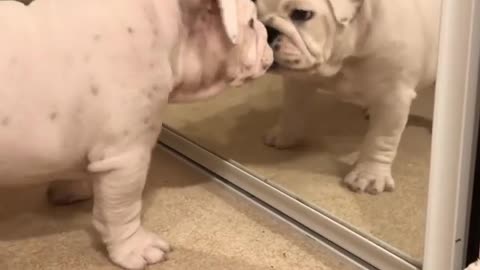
pixel 82 89
pixel 373 53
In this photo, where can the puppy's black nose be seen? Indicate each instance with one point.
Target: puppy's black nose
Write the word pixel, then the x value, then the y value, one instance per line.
pixel 272 34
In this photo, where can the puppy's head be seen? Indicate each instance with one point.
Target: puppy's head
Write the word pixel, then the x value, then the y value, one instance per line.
pixel 304 34
pixel 251 56
pixel 225 42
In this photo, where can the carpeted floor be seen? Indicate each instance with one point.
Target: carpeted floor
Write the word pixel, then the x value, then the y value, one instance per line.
pixel 209 226
pixel 233 124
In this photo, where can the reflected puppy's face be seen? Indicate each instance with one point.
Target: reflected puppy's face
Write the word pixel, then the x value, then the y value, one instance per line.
pixel 305 33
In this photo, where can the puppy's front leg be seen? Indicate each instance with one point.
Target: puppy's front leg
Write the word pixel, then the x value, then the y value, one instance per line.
pixel 290 127
pixel 388 118
pixel 117 209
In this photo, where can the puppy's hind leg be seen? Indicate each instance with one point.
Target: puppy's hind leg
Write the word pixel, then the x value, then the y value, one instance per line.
pixel 291 125
pixel 68 192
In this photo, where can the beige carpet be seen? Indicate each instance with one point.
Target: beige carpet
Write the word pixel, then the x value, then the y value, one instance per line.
pixel 209 227
pixel 232 126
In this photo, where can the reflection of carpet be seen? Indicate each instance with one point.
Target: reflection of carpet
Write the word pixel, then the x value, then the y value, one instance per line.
pixel 232 125
pixel 209 227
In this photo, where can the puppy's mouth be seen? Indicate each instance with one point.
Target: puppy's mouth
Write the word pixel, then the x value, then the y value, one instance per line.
pixel 277 67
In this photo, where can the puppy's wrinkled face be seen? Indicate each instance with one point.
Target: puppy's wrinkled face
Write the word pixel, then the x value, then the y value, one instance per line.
pixel 251 57
pixel 221 48
pixel 302 33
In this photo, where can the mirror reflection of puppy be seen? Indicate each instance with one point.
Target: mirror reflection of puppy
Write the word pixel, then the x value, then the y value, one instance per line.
pixel 373 53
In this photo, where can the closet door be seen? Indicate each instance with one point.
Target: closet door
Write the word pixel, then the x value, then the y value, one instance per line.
pixel 454 142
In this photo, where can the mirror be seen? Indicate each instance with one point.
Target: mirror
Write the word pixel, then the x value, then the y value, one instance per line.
pixel 343 122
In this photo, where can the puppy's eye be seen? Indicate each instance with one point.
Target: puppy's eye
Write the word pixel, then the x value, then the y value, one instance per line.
pixel 251 23
pixel 301 15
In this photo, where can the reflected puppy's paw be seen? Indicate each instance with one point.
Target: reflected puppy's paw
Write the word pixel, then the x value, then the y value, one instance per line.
pixel 370 177
pixel 141 249
pixel 282 138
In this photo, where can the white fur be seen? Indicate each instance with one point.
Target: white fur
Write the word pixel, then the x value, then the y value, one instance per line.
pixel 373 53
pixel 474 266
pixel 82 87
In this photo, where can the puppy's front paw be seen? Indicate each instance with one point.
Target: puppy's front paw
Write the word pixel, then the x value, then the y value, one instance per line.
pixel 141 249
pixel 282 138
pixel 370 177
pixel 474 266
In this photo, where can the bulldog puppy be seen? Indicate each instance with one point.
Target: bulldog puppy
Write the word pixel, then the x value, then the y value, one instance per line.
pixel 83 85
pixel 373 53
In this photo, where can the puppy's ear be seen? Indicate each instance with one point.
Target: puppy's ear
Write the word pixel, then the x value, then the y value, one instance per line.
pixel 345 10
pixel 228 11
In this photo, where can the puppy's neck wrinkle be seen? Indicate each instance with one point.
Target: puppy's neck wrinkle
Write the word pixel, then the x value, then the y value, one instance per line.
pixel 363 27
pixel 197 68
pixel 351 39
pixel 201 53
